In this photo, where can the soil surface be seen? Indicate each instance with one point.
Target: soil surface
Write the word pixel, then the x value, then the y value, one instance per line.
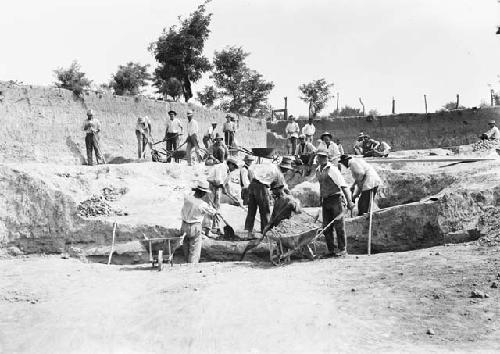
pixel 380 303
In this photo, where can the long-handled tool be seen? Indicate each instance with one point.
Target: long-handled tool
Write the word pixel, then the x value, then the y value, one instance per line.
pixel 112 244
pixel 370 224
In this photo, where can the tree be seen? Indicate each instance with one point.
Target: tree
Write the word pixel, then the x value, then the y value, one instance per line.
pixel 130 79
pixel 317 94
pixel 179 51
pixel 347 111
pixel 72 78
pixel 373 112
pixel 450 106
pixel 241 90
pixel 207 96
pixel 172 87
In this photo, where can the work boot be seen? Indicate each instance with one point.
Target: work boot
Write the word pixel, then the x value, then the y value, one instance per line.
pixel 340 254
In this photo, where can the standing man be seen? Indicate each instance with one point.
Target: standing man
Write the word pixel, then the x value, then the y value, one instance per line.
pixel 228 129
pixel 209 137
pixel 366 181
pixel 328 145
pixel 292 133
pixel 143 133
pixel 193 212
pixel 172 133
pixel 492 133
pixel 309 130
pixel 244 177
pixel 332 187
pixel 192 138
pixel 92 127
pixel 232 184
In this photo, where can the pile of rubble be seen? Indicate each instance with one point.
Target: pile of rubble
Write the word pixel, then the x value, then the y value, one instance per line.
pixel 484 145
pixel 294 226
pixel 97 206
pixel 489 226
pixel 112 194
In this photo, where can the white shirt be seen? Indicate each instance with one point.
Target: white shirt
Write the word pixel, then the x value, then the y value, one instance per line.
pixel 192 127
pixel 334 174
pixel 493 133
pixel 217 173
pixel 233 184
pixel 308 129
pixel 266 173
pixel 292 130
pixel 174 126
pixel 333 150
pixel 365 176
pixel 194 209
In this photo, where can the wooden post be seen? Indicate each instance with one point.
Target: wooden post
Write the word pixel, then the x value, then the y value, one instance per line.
pixel 370 224
pixel 112 244
pixel 310 110
pixel 492 102
pixel 360 101
pixel 338 95
pixel 425 101
pixel 458 101
pixel 285 113
pixel 393 106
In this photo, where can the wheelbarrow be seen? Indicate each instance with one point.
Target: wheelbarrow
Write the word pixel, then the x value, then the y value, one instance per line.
pixel 157 246
pixel 261 153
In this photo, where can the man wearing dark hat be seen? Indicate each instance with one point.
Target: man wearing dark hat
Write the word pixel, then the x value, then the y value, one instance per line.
pixel 287 169
pixel 192 214
pixel 92 127
pixel 492 133
pixel 332 188
pixel 244 177
pixel 366 181
pixel 172 133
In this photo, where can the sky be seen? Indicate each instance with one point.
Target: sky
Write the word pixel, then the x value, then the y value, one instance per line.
pixel 374 50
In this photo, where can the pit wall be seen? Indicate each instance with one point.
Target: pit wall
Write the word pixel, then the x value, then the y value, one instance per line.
pixel 402 131
pixel 44 124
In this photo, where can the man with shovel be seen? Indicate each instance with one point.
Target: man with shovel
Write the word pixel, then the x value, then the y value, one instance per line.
pixel 172 133
pixel 143 133
pixel 332 187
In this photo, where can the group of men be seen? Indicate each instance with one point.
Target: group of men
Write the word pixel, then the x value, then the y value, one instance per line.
pixel 368 147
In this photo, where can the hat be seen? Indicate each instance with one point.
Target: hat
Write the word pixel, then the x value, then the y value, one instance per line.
pixel 189 112
pixel 141 120
pixel 232 160
pixel 249 158
pixel 233 119
pixel 302 136
pixel 218 136
pixel 202 186
pixel 344 159
pixel 291 117
pixel 229 116
pixel 326 134
pixel 321 152
pixel 214 122
pixel 90 112
pixel 276 185
pixel 286 162
pixel 173 112
pixel 492 122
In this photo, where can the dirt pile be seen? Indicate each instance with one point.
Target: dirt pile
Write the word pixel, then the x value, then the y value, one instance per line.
pixel 97 206
pixel 484 146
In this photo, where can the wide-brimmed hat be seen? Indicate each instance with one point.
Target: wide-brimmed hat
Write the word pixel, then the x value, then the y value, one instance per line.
pixel 229 116
pixel 326 134
pixel 232 160
pixel 286 162
pixel 213 122
pixel 173 112
pixel 291 117
pixel 492 122
pixel 218 136
pixel 276 185
pixel 302 136
pixel 249 158
pixel 141 120
pixel 90 112
pixel 202 186
pixel 344 159
pixel 322 152
pixel 189 113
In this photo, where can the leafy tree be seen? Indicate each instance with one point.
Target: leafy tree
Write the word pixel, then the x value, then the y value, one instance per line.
pixel 450 106
pixel 172 87
pixel 317 94
pixel 72 78
pixel 373 112
pixel 347 111
pixel 207 96
pixel 242 90
pixel 179 49
pixel 130 79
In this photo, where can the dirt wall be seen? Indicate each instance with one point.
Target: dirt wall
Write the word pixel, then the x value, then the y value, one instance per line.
pixel 45 124
pixel 401 131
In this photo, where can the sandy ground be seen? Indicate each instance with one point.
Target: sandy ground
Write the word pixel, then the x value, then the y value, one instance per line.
pixel 380 303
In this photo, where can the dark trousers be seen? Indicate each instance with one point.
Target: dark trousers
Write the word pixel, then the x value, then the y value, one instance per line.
pixel 92 145
pixel 293 143
pixel 229 138
pixel 364 200
pixel 172 143
pixel 332 207
pixel 258 197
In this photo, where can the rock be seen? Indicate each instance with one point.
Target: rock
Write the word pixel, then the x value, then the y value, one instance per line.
pixel 437 253
pixel 478 294
pixel 494 285
pixel 14 251
pixel 353 290
pixel 430 331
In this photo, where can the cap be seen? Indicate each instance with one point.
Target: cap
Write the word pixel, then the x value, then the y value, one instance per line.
pixel 90 112
pixel 344 159
pixel 232 160
pixel 172 112
pixel 218 136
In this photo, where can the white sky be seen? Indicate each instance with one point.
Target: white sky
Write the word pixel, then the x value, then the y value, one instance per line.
pixel 369 49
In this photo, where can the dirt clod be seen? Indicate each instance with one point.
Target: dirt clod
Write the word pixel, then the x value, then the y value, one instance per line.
pixel 494 285
pixel 430 331
pixel 478 294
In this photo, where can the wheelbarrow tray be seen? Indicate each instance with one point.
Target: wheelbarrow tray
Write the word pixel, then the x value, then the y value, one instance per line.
pixel 295 242
pixel 158 246
pixel 263 152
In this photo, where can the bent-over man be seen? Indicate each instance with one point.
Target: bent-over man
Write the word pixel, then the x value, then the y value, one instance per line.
pixel 143 134
pixel 492 133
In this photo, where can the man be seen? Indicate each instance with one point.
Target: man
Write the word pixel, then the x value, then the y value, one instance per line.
pixel 305 152
pixel 232 184
pixel 493 133
pixel 332 186
pixel 172 133
pixel 209 137
pixel 216 178
pixel 261 177
pixel 330 147
pixel 287 170
pixel 309 130
pixel 380 149
pixel 358 145
pixel 292 133
pixel 192 213
pixel 229 129
pixel 192 138
pixel 367 145
pixel 143 133
pixel 218 150
pixel 244 178
pixel 284 206
pixel 92 127
pixel 366 181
